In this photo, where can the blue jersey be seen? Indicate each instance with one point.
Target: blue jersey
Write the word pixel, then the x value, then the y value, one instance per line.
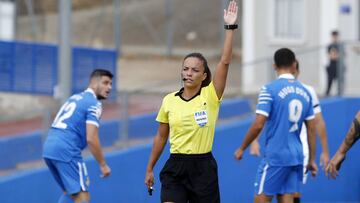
pixel 286 104
pixel 67 136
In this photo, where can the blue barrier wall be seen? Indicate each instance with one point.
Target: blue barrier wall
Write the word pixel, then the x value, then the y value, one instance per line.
pixel 126 183
pixel 26 67
pixel 235 108
pixel 110 132
pixel 85 60
pixel 19 149
pixel 33 67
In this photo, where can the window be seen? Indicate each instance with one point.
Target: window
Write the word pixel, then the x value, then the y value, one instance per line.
pixel 287 20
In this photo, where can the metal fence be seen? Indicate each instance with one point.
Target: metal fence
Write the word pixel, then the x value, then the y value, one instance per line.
pixel 33 68
pixel 139 24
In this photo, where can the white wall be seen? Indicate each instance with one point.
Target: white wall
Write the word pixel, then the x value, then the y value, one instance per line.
pixel 248 43
pixel 348 21
pixel 7 20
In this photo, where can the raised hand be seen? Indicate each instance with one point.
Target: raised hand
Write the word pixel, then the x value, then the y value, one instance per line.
pixel 230 15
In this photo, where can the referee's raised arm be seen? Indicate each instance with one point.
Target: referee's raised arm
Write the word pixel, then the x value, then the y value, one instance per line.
pixel 221 71
pixel 187 119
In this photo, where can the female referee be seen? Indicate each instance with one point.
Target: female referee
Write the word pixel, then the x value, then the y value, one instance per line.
pixel 189 116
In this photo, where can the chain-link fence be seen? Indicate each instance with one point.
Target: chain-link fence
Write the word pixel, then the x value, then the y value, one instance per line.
pixel 151 23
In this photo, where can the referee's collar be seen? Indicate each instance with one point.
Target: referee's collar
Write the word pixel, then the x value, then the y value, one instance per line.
pixel 286 76
pixel 182 90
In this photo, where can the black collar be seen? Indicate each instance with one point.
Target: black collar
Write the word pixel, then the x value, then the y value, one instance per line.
pixel 182 90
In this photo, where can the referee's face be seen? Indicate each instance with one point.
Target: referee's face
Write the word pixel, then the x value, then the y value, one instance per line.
pixel 193 72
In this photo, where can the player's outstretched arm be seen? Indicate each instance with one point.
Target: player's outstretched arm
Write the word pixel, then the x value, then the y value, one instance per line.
pixel 332 169
pixel 251 135
pixel 92 138
pixel 158 146
pixel 221 71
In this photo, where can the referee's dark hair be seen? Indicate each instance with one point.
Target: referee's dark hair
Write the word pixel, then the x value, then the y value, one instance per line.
pixel 199 56
pixel 284 57
pixel 101 72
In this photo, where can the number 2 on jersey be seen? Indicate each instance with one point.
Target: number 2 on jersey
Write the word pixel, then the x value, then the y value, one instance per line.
pixel 295 110
pixel 64 113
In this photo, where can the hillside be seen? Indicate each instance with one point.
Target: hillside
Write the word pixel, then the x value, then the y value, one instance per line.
pixel 143 23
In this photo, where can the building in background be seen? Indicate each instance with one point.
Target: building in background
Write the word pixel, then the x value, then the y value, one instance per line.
pixel 7 19
pixel 304 26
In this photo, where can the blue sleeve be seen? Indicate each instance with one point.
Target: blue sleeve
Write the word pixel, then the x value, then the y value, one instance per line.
pixel 265 101
pixel 93 113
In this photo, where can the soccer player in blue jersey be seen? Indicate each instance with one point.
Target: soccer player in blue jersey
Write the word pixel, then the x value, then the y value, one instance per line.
pixel 283 106
pixel 320 128
pixel 74 127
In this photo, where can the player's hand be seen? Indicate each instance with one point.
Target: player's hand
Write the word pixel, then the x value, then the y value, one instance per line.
pixel 239 154
pixel 149 178
pixel 324 159
pixel 230 15
pixel 312 167
pixel 255 148
pixel 105 170
pixel 332 169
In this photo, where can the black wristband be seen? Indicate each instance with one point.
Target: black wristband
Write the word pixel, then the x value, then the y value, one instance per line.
pixel 230 27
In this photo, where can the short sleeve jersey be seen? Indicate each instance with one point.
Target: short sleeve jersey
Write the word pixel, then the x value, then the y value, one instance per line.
pixel 192 122
pixel 286 104
pixel 317 109
pixel 67 136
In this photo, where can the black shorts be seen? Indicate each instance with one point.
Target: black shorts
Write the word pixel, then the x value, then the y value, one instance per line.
pixel 190 178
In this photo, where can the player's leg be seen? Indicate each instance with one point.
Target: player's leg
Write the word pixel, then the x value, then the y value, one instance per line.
pixel 65 198
pixel 81 197
pixel 262 198
pixel 292 184
pixel 285 198
pixel 51 164
pixel 75 178
pixel 55 173
pixel 268 182
pixel 297 197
